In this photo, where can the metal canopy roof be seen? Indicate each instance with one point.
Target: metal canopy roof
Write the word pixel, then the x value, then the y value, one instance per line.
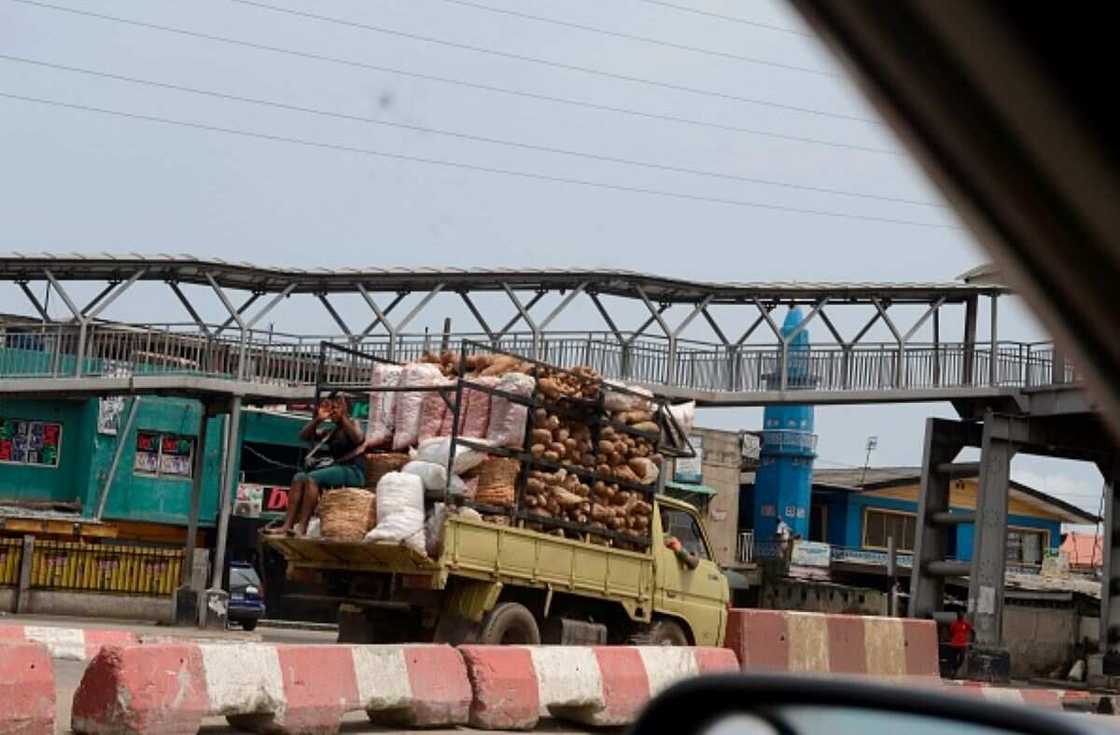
pixel 188 269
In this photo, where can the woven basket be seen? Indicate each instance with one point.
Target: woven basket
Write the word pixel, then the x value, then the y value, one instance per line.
pixel 379 464
pixel 347 514
pixel 500 496
pixel 497 472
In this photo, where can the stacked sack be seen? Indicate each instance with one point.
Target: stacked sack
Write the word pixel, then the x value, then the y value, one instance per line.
pixel 594 445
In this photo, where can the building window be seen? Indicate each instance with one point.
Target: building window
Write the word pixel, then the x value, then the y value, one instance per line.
pixel 33 443
pixel 683 527
pixel 1027 545
pixel 164 455
pixel 879 525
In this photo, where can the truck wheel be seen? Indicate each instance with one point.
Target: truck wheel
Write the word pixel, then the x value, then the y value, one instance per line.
pixel 660 633
pixel 353 626
pixel 249 625
pixel 510 623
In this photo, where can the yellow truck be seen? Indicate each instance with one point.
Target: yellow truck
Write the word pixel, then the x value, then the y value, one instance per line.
pixel 500 584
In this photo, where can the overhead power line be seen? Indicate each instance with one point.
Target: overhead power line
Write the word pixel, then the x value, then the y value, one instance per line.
pixel 732 18
pixel 557 64
pixel 460 135
pixel 456 82
pixel 641 39
pixel 472 167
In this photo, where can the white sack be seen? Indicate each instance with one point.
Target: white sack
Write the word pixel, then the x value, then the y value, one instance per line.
pixel 684 414
pixel 438 449
pixel 400 511
pixel 614 401
pixel 434 476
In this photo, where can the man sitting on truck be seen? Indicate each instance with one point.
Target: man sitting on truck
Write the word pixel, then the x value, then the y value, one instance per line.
pixel 336 460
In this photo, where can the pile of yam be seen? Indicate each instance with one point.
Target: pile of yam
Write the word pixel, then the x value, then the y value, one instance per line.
pixel 596 504
pixel 617 455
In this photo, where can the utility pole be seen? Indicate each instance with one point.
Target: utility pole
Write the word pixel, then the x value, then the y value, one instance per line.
pixel 872 445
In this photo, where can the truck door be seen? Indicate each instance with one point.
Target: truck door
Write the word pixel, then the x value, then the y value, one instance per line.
pixel 698 595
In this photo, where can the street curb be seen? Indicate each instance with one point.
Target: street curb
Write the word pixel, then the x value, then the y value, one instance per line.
pixel 297 625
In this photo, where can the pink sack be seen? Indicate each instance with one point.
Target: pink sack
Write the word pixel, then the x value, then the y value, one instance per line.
pixel 507 419
pixel 382 404
pixel 478 409
pixel 407 411
pixel 448 419
pixel 432 411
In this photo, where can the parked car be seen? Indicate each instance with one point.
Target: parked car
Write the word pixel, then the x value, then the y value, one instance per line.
pixel 246 599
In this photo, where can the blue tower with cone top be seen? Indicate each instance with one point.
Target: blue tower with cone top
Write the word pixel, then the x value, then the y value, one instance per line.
pixel 783 483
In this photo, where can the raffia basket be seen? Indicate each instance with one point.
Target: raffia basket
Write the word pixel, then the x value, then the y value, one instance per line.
pixel 500 496
pixel 346 514
pixel 497 472
pixel 379 464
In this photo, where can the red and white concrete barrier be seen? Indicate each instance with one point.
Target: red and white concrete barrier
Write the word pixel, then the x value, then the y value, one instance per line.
pixel 170 688
pixel 75 644
pixel 26 689
pixel 1058 699
pixel 515 686
pixel 822 643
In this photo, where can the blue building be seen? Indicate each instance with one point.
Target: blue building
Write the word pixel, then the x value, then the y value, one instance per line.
pixel 857 511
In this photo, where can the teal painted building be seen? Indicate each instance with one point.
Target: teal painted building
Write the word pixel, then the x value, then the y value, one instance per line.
pixel 61 451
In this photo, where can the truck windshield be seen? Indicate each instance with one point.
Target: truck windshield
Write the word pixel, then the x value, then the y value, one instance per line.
pixel 684 527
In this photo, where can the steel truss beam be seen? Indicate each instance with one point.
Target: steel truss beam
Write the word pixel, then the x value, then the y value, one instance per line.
pixel 657 295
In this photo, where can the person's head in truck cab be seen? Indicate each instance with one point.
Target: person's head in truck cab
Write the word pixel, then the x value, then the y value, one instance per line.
pixel 684 556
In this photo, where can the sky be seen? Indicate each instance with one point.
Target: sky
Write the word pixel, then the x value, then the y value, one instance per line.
pixel 790 173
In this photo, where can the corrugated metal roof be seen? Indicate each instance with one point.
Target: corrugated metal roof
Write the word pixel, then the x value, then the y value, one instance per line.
pixel 853 480
pixel 241 275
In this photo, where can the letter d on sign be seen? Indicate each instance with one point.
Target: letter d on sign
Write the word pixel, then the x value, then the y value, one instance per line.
pixel 277 499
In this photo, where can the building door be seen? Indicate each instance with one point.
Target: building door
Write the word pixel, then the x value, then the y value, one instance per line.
pixel 818 522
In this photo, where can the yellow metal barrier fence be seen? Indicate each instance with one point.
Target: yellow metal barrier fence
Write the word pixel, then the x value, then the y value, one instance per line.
pixel 72 565
pixel 11 552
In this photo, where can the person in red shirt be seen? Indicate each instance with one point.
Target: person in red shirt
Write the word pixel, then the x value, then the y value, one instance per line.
pixel 960 636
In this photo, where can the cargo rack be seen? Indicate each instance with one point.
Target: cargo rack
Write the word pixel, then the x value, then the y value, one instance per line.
pixel 670 441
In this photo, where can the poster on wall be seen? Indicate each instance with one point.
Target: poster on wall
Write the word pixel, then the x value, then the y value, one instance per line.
pixel 147 453
pixel 691 469
pixel 250 498
pixel 110 408
pixel 36 443
pixel 175 455
pixel 165 455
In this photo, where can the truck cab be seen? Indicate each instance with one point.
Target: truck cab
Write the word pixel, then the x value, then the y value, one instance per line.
pixel 699 596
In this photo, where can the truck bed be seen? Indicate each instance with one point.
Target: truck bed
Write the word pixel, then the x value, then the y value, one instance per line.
pixel 489 552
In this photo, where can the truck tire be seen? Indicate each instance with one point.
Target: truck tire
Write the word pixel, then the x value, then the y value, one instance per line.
pixel 249 625
pixel 510 623
pixel 660 633
pixel 353 626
